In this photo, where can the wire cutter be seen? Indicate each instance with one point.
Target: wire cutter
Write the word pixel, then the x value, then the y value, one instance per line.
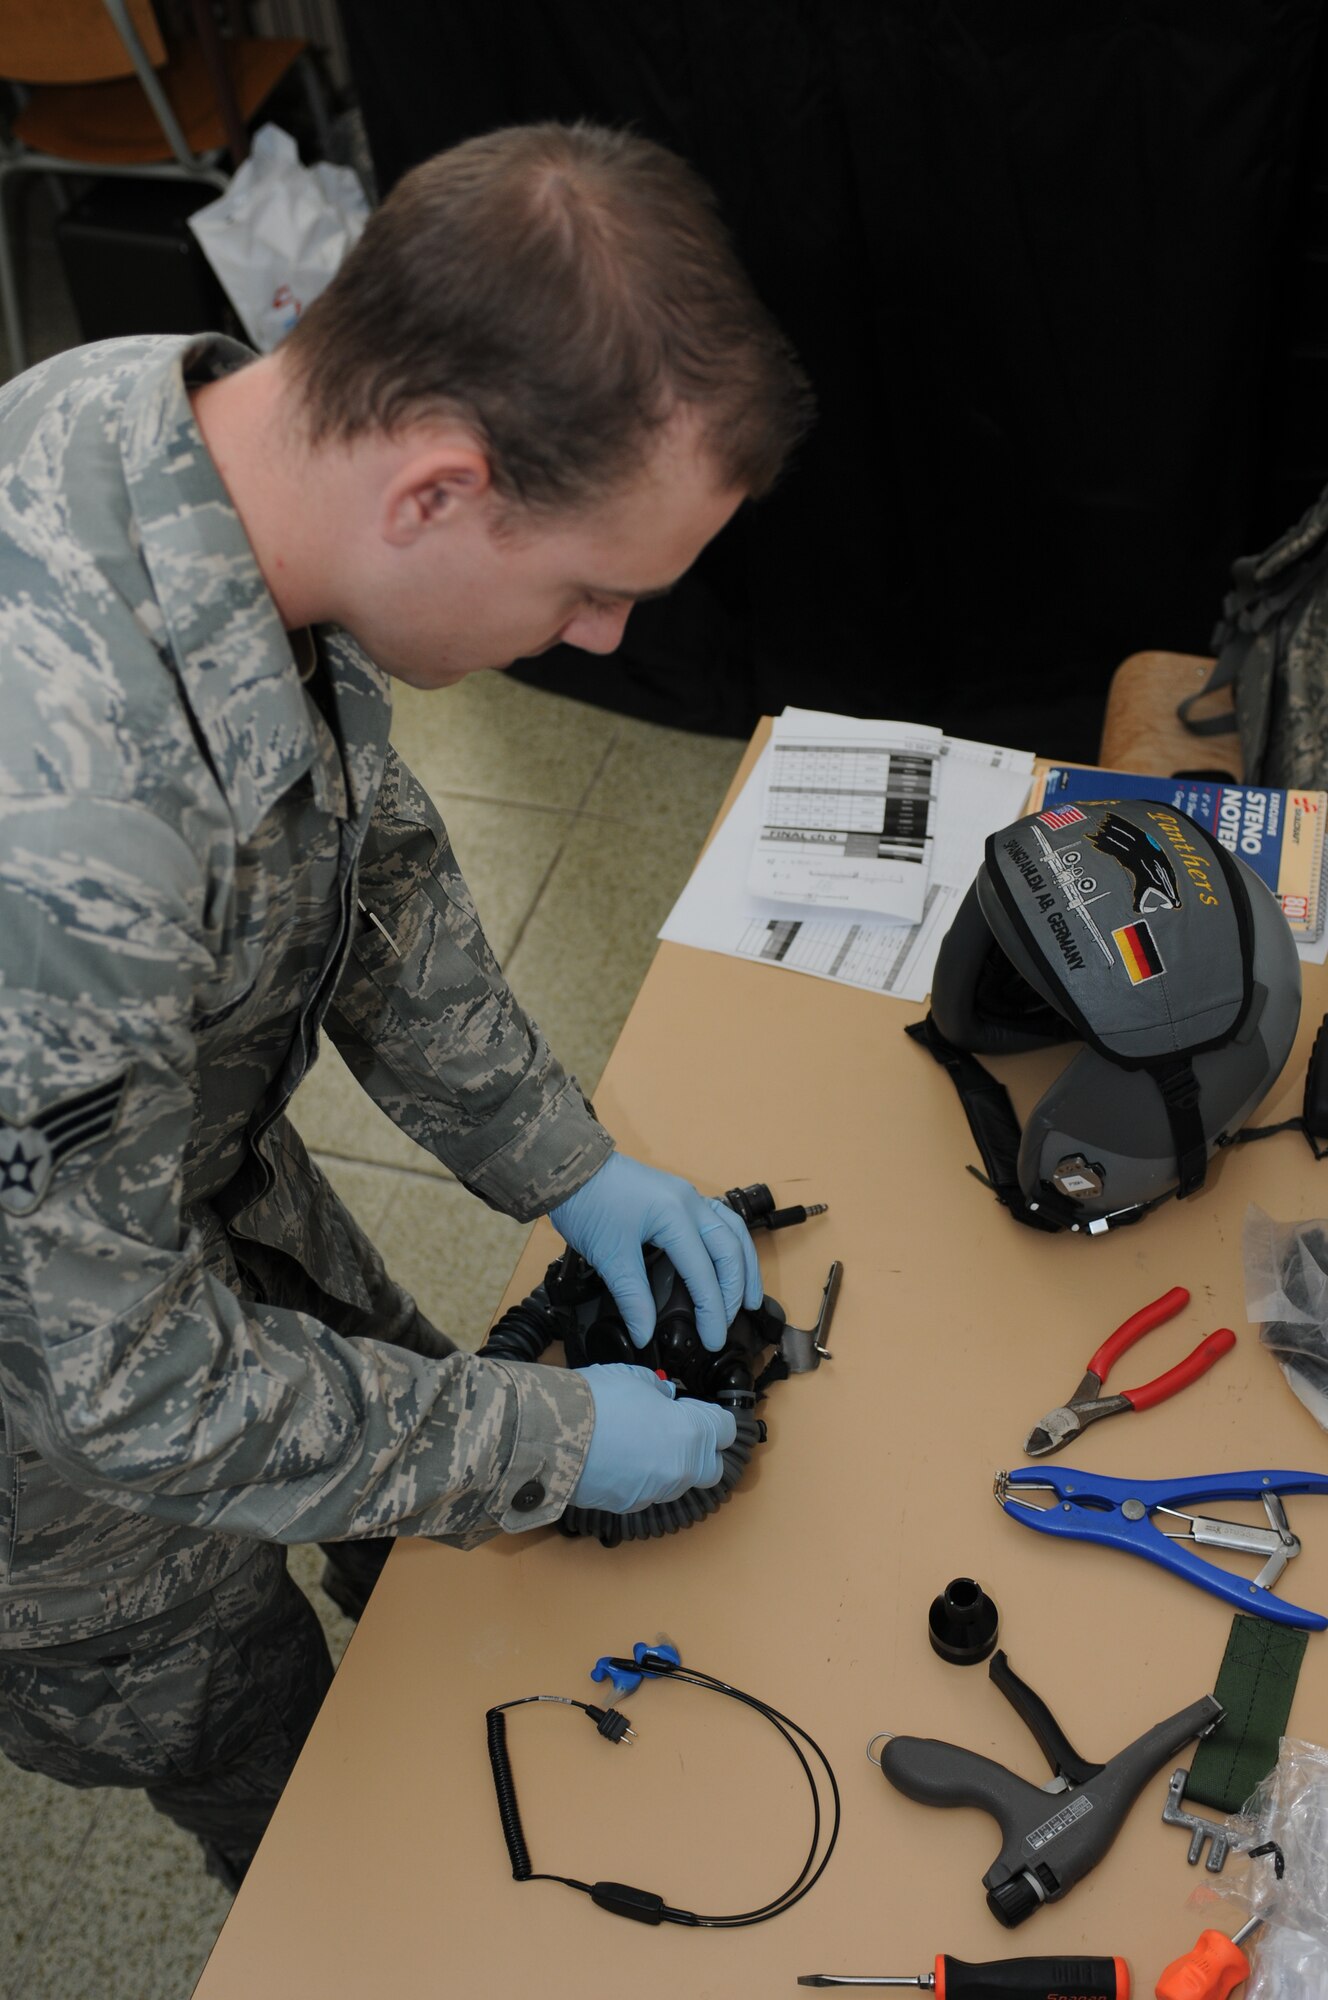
pixel 1120 1513
pixel 1086 1405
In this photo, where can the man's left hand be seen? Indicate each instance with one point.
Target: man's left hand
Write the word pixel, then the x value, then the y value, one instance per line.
pixel 626 1204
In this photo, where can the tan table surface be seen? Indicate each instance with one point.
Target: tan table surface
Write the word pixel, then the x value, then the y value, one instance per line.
pixel 384 1870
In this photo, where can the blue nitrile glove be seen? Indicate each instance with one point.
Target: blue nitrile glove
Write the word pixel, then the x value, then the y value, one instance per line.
pixel 647 1446
pixel 625 1204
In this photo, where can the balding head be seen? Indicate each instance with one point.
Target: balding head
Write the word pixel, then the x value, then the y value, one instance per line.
pixel 563 291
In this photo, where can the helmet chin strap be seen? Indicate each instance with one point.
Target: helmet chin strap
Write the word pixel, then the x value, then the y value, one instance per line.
pixel 1180 1093
pixel 995 1129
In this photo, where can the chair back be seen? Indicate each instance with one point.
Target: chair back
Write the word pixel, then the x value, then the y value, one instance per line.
pixel 72 41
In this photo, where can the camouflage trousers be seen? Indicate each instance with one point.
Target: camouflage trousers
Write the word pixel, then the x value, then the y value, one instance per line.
pixel 204 1708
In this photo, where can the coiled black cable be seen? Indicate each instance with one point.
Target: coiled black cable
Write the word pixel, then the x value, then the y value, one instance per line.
pixel 505 1786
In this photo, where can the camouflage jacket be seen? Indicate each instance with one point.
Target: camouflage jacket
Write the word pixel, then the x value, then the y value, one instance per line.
pixel 201 855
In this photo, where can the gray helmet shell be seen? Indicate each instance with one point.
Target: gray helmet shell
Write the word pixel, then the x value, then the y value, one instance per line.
pixel 1135 931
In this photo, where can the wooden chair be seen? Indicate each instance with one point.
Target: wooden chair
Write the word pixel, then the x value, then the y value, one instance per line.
pixel 1140 727
pixel 104 95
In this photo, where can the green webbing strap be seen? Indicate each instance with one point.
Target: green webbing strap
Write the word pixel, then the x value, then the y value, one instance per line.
pixel 1256 1686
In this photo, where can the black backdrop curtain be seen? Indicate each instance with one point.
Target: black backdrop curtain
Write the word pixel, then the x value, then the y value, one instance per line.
pixel 1033 257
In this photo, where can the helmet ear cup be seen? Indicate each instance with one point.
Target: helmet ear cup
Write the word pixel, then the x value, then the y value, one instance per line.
pixel 979 1001
pixel 1106 1124
pixel 1107 1127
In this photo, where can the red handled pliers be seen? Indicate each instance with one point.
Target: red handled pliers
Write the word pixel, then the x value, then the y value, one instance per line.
pixel 1087 1404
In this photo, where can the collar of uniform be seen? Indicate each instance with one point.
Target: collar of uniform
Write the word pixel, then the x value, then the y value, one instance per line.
pixel 230 648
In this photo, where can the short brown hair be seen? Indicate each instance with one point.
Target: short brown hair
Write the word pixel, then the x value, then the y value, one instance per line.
pixel 562 289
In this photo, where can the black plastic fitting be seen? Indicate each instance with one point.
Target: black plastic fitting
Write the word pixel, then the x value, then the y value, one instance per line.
pixel 1012 1902
pixel 754 1204
pixel 963 1623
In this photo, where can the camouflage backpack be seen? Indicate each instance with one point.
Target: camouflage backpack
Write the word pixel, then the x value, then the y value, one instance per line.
pixel 1272 651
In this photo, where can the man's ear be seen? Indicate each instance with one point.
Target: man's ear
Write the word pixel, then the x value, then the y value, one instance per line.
pixel 433 484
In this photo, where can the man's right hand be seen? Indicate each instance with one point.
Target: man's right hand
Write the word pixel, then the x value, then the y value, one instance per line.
pixel 645 1445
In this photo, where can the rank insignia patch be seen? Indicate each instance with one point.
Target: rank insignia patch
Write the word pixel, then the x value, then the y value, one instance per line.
pixel 30 1154
pixel 1139 954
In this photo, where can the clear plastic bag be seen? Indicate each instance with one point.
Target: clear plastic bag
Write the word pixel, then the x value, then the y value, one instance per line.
pixel 1286 1287
pixel 1289 1952
pixel 1286 1965
pixel 277 235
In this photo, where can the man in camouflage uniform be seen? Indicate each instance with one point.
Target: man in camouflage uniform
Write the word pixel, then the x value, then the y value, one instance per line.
pixel 208 850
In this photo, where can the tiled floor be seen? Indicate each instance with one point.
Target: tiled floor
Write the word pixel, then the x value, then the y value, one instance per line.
pixel 575 828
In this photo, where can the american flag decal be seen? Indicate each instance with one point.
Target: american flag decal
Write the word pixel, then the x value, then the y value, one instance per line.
pixel 30 1153
pixel 1067 816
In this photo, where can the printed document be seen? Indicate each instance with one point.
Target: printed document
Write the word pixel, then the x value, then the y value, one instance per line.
pixel 848 818
pixel 980 788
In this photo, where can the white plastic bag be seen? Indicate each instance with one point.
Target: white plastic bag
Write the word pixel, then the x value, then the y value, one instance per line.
pixel 277 235
pixel 1290 1806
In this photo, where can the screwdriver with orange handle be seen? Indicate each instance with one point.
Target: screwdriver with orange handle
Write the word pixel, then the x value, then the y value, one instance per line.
pixel 1214 1968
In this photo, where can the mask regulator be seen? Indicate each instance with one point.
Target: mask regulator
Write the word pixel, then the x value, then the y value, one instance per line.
pixel 574 1306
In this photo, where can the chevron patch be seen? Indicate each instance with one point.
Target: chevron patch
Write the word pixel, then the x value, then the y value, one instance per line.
pixel 30 1153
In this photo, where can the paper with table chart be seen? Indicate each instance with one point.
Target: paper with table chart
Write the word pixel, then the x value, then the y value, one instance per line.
pixel 980 787
pixel 848 817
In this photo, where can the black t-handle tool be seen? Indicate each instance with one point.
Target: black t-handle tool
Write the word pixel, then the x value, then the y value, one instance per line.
pixel 1002 1979
pixel 1050 1838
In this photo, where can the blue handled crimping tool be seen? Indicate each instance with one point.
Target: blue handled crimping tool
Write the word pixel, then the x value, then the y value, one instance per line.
pixel 1119 1512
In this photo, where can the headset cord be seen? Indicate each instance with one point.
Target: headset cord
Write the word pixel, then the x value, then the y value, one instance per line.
pixel 621 1898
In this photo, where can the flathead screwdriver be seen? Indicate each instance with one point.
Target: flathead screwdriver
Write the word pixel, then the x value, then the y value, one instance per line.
pixel 1003 1979
pixel 1212 1971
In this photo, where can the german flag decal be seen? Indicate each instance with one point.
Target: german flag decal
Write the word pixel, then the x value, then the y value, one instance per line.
pixel 1139 955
